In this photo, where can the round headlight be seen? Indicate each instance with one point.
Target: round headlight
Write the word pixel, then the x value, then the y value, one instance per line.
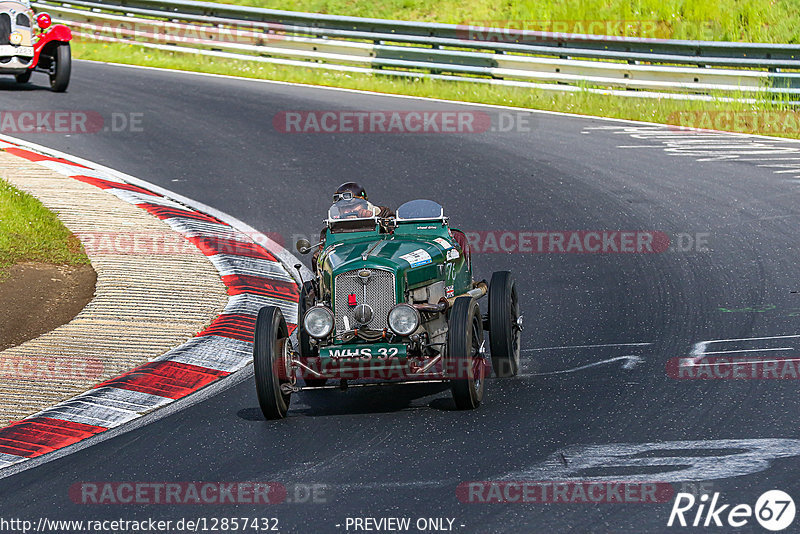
pixel 403 319
pixel 318 322
pixel 15 38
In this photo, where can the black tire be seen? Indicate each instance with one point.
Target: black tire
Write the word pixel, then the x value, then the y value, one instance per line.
pixel 464 360
pixel 504 333
pixel 303 339
pixel 61 68
pixel 24 77
pixel 269 363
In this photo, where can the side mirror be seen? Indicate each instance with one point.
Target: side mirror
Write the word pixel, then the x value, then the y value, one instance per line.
pixel 303 246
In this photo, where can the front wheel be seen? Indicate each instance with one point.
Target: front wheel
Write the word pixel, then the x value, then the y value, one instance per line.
pixel 271 362
pixel 23 77
pixel 505 324
pixel 465 363
pixel 60 68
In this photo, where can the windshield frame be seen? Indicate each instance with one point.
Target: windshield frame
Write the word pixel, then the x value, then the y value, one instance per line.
pixel 439 217
pixel 351 224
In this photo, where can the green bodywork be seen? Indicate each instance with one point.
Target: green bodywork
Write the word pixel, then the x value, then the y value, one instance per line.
pixel 349 251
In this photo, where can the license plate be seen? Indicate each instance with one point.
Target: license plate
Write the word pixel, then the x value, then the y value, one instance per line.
pixel 11 50
pixel 380 351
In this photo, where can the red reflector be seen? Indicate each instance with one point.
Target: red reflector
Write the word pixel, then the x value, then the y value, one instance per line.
pixel 43 20
pixel 351 299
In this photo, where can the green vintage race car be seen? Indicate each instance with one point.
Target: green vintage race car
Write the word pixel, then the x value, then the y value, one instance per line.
pixel 392 300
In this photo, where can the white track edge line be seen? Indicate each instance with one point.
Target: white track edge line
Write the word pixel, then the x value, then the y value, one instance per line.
pixel 431 99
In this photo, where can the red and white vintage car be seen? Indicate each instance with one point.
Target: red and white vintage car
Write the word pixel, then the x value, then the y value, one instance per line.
pixel 31 42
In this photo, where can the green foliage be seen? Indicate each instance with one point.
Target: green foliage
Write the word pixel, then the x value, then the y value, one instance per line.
pixel 30 232
pixel 773 21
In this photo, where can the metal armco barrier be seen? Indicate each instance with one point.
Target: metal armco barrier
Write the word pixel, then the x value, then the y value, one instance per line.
pixel 635 67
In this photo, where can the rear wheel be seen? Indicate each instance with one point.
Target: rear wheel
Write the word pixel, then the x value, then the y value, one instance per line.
pixel 465 363
pixel 303 339
pixel 504 324
pixel 60 68
pixel 271 362
pixel 24 77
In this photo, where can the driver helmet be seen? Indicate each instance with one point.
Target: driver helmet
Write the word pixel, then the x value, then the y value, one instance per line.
pixel 349 190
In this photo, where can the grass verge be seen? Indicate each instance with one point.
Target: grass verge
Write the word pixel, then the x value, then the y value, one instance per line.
pixel 772 21
pixel 762 117
pixel 30 232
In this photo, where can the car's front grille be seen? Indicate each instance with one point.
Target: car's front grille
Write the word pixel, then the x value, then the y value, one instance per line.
pixel 5 28
pixel 380 296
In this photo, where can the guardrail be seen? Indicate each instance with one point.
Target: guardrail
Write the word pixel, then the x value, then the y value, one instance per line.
pixel 562 62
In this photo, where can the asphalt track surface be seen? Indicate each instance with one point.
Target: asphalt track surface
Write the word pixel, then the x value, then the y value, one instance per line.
pixel 403 450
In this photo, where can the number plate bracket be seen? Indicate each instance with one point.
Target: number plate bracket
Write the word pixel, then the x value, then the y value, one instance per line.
pixel 378 351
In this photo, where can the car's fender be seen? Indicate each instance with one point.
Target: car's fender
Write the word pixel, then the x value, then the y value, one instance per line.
pixel 57 32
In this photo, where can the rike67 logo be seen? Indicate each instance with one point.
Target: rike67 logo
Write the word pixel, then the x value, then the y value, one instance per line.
pixel 774 510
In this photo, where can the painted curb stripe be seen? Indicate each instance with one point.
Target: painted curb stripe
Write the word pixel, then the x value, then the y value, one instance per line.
pixel 106 184
pixel 259 286
pixel 68 169
pixel 190 228
pixel 254 277
pixel 132 197
pixel 173 380
pixel 231 265
pixel 37 157
pixel 235 326
pixel 106 406
pixel 39 435
pixel 9 459
pixel 211 246
pixel 165 212
pixel 213 352
pixel 250 304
